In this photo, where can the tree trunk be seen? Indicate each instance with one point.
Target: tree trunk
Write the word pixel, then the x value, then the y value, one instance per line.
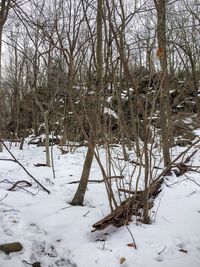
pixel 45 116
pixel 1 29
pixel 4 9
pixel 165 109
pixel 80 193
pixel 94 116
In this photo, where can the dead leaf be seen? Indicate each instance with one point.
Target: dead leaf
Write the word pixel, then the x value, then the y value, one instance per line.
pixel 160 52
pixel 122 259
pixel 132 245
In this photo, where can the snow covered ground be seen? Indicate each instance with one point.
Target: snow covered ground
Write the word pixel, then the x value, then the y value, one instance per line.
pixel 56 234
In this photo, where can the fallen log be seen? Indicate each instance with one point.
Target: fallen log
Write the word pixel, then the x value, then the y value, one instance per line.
pixel 122 215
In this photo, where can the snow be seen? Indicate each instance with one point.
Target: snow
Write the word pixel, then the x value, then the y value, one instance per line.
pixel 57 234
pixel 109 99
pixel 110 112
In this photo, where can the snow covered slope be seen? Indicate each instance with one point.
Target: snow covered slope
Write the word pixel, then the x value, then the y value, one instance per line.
pixel 56 234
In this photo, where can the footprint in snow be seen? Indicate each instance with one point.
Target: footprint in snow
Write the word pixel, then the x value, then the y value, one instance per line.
pixel 64 263
pixel 159 258
pixel 42 250
pixel 35 229
pixel 10 219
pixel 181 243
pixel 47 253
pixel 8 232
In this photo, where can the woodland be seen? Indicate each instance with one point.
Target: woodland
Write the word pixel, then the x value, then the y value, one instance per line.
pixel 99 133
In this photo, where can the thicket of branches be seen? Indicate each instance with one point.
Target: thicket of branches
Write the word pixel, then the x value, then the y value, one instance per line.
pixel 101 72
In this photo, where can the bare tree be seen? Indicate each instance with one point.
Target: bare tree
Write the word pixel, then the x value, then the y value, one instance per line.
pixel 80 193
pixel 4 9
pixel 5 6
pixel 166 121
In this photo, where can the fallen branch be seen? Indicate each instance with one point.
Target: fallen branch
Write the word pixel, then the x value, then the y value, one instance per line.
pixel 89 181
pixel 122 214
pixel 192 180
pixel 98 181
pixel 168 168
pixel 8 182
pixel 17 183
pixel 8 160
pixel 129 191
pixel 190 156
pixel 15 160
pixel 159 253
pixel 4 197
pixel 40 165
pixel 35 264
pixel 182 167
pixel 134 243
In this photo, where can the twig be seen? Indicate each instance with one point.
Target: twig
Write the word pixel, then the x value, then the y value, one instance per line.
pixel 191 180
pixel 165 171
pixel 19 182
pixel 189 157
pixel 45 189
pixel 159 253
pixel 40 165
pixel 8 160
pixel 8 182
pixel 68 207
pixel 98 181
pixel 132 236
pixel 90 181
pixel 130 191
pixel 4 181
pixel 27 262
pixel 158 207
pixel 4 197
pixel 52 159
pixel 86 213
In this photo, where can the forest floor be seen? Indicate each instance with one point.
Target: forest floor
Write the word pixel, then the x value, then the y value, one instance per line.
pixel 56 234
